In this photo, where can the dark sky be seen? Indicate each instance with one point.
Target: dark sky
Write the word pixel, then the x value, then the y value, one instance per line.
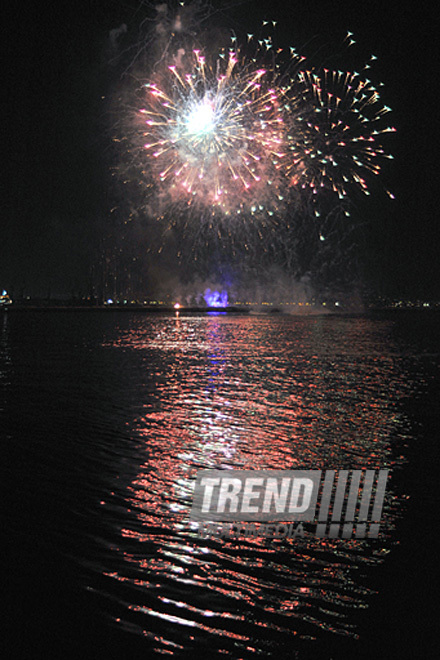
pixel 56 188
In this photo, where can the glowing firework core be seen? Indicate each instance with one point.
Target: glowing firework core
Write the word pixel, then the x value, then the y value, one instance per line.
pixel 201 119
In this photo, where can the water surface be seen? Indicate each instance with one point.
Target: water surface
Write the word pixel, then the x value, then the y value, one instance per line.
pixel 108 416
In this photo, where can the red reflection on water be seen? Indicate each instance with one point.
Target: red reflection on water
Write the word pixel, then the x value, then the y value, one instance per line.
pixel 254 393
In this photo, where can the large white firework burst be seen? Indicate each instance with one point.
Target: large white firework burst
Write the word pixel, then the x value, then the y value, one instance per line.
pixel 215 135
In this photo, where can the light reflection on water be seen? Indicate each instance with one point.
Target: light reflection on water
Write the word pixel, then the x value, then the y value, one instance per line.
pixel 107 417
pixel 248 393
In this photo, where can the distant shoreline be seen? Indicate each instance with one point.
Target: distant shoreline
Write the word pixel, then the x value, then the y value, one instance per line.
pixel 120 308
pixel 254 309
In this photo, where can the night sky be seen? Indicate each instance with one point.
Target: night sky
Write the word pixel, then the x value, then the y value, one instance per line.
pixel 57 191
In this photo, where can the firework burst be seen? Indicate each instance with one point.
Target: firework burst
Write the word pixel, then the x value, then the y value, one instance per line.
pixel 247 146
pixel 216 135
pixel 343 147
